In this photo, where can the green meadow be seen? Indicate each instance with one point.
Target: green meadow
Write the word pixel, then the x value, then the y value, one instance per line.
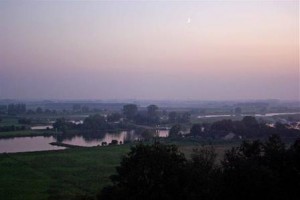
pixel 67 174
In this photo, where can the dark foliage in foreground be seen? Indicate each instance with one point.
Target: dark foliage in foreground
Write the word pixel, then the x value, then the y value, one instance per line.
pixel 254 170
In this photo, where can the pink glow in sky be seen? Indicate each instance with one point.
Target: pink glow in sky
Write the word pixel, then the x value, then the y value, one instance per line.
pixel 149 50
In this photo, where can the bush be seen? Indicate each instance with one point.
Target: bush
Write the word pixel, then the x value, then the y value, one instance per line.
pixel 254 170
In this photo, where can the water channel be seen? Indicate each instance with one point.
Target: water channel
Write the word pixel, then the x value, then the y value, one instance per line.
pixel 42 143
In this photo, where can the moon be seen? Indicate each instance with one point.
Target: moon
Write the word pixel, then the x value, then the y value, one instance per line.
pixel 188 20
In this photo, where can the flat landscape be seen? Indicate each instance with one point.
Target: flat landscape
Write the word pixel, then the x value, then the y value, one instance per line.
pixel 149 100
pixel 58 174
pixel 66 174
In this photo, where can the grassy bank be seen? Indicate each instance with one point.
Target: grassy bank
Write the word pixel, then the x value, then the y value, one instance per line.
pixel 69 173
pixel 25 133
pixel 58 174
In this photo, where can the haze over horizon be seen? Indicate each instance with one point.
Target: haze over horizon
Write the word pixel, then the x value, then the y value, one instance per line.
pixel 229 50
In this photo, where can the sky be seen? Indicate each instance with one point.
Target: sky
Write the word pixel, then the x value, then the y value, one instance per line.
pixel 183 50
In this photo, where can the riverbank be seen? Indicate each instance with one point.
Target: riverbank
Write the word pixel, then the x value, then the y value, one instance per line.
pixel 69 173
pixel 32 133
pixel 27 133
pixel 58 174
pixel 60 144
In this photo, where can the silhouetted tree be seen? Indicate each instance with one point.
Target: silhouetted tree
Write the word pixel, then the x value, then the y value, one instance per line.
pixel 76 107
pixel 184 117
pixel 39 110
pixel 223 125
pixel 13 109
pixel 238 111
pixel 152 110
pixel 85 109
pixel 152 114
pixel 202 174
pixel 130 110
pixel 172 117
pixel 175 117
pixel 250 122
pixel 24 121
pixel 61 125
pixel 3 109
pixel 175 131
pixel 114 117
pixel 148 172
pixel 196 130
pixel 95 122
pixel 253 170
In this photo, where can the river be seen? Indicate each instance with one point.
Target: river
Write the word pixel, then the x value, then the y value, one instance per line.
pixel 255 115
pixel 42 143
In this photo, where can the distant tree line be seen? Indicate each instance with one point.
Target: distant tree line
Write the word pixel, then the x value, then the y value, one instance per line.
pixel 92 123
pixel 248 127
pixel 12 128
pixel 13 109
pixel 253 170
pixel 152 116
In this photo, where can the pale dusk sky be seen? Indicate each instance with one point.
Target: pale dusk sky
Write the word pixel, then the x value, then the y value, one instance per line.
pixel 189 50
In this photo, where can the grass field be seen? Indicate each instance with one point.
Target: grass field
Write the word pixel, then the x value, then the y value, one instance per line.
pixel 19 133
pixel 9 121
pixel 65 174
pixel 25 133
pixel 58 174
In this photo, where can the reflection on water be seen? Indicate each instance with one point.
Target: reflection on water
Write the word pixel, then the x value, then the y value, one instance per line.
pixel 41 127
pixel 41 143
pixel 100 139
pixel 256 115
pixel 24 144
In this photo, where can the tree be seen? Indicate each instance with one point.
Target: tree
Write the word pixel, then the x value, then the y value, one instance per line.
pixel 3 109
pixel 147 134
pixel 267 169
pixel 223 125
pixel 14 109
pixel 247 172
pixel 185 117
pixel 24 121
pixel 196 130
pixel 172 117
pixel 152 110
pixel 95 122
pixel 85 109
pixel 30 112
pixel 76 107
pixel 60 125
pixel 114 117
pixel 149 172
pixel 130 110
pixel 175 131
pixel 238 111
pixel 250 122
pixel 39 110
pixel 203 174
pixel 152 114
pixel 275 152
pixel 175 117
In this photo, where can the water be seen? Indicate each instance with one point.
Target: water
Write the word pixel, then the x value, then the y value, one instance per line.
pixel 41 127
pixel 41 143
pixel 25 144
pixel 256 115
pixel 50 126
pixel 275 114
pixel 108 138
